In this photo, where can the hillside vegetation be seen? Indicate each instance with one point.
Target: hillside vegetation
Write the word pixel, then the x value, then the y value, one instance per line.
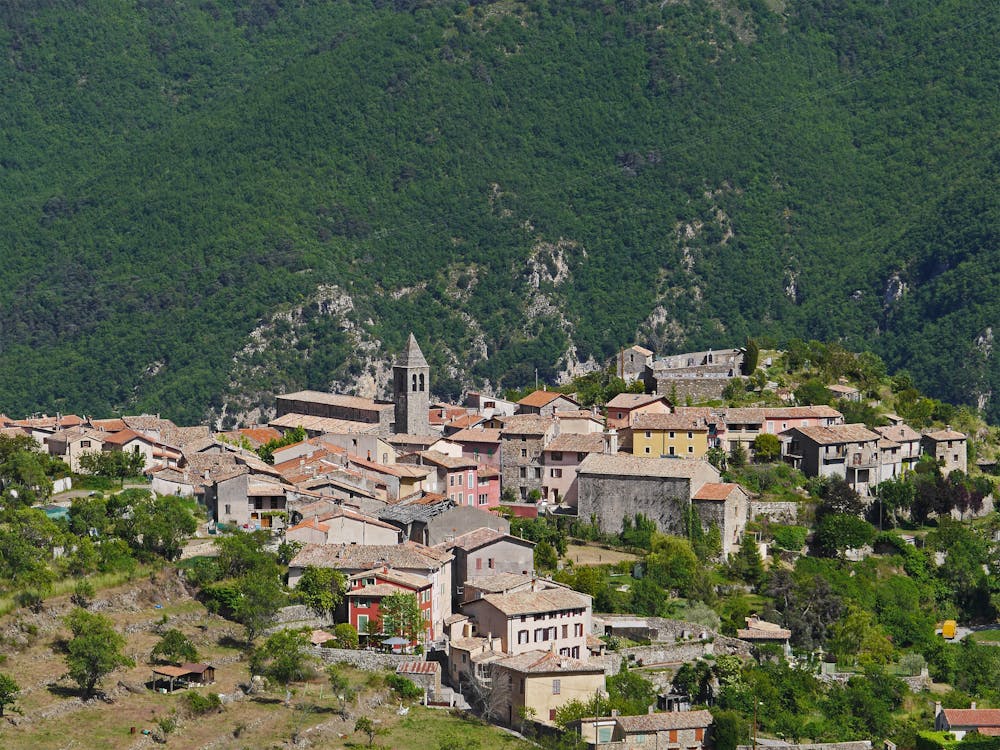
pixel 520 183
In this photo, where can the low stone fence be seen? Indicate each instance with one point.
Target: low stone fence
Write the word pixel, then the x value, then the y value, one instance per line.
pixel 370 661
pixel 786 512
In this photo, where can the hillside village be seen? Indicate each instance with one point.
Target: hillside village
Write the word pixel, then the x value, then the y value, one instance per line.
pixel 665 567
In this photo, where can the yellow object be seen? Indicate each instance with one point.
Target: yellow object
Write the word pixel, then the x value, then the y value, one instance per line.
pixel 948 629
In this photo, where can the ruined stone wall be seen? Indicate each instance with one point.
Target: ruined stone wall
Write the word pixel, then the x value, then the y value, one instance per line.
pixel 609 499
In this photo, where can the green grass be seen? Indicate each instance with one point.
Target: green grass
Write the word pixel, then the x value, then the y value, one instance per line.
pixel 428 729
pixel 99 581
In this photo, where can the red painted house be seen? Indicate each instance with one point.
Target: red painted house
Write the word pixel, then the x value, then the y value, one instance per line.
pixel 367 588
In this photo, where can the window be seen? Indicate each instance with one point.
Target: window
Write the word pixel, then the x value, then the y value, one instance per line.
pixel 228 510
pixel 524 452
pixel 673 735
pixel 604 734
pixel 647 449
pixel 699 734
pixel 671 435
pixel 479 563
pixel 413 385
pixel 639 739
pixel 556 687
pixel 471 498
pixel 690 449
pixel 524 473
pixel 522 636
pixel 539 634
pixel 552 714
pixel 565 631
pixel 580 456
pixel 471 482
pixel 489 563
pixel 690 434
pixel 538 472
pixel 84 443
pixel 557 456
pixel 578 629
pixel 671 449
pixel 483 499
pixel 556 473
pixel 465 658
pixel 648 434
pixel 362 623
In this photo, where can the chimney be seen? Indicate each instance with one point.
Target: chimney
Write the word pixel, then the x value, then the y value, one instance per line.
pixel 611 442
pixel 972 706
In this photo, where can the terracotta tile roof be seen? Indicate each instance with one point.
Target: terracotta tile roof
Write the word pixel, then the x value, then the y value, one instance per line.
pixel 418 667
pixel 336 399
pixel 500 582
pixel 475 436
pixel 259 435
pixel 634 400
pixel 568 442
pixel 436 458
pixel 477 538
pixel 325 424
pixel 124 436
pixel 841 388
pixel 622 464
pixel 393 576
pixel 715 491
pixel 665 721
pixel 402 438
pixel 465 421
pixel 679 422
pixel 538 399
pixel 310 523
pixel 394 470
pixel 546 662
pixel 940 435
pixel 526 424
pixel 703 412
pixel 901 433
pixel 641 350
pixel 839 433
pixel 66 420
pixel 761 630
pixel 531 602
pixel 578 414
pixel 972 717
pixel 488 472
pixel 360 517
pixel 319 637
pixel 742 415
pixel 367 556
pixel 108 425
pixel 379 590
pixel 802 412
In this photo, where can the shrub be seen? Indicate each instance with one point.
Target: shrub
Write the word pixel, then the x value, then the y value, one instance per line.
pixel 199 704
pixel 83 593
pixel 405 689
pixel 30 599
pixel 346 635
pixel 791 538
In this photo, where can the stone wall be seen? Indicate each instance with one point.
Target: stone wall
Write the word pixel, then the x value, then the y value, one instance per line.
pixel 370 661
pixel 698 389
pixel 777 512
pixel 609 499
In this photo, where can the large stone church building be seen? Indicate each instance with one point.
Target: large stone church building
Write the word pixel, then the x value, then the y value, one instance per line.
pixel 318 412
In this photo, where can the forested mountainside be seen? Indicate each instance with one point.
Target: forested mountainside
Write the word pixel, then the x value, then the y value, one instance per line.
pixel 206 201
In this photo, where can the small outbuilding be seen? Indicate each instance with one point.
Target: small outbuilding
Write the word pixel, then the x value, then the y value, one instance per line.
pixel 186 675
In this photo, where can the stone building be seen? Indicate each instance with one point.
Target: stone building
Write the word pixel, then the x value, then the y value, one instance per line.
pixel 522 439
pixel 613 487
pixel 948 448
pixel 410 390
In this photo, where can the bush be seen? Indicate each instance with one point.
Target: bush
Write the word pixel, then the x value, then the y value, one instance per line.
pixel 199 704
pixel 405 689
pixel 30 599
pixel 792 538
pixel 346 635
pixel 83 593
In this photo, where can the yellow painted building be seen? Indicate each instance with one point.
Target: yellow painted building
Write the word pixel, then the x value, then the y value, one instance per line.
pixel 664 435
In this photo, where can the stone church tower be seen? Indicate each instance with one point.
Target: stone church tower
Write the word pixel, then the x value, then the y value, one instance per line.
pixel 410 384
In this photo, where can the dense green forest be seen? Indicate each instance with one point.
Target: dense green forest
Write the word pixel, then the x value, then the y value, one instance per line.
pixel 507 179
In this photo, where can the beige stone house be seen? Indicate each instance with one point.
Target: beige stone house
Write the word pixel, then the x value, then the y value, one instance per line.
pixel 538 618
pixel 70 444
pixel 674 730
pixel 542 681
pixel 848 451
pixel 727 505
pixel 342 526
pixel 623 408
pixel 948 448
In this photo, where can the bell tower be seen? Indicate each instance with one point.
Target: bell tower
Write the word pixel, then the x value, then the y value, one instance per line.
pixel 410 384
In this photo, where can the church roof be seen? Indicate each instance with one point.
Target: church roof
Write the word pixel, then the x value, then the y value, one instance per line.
pixel 411 356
